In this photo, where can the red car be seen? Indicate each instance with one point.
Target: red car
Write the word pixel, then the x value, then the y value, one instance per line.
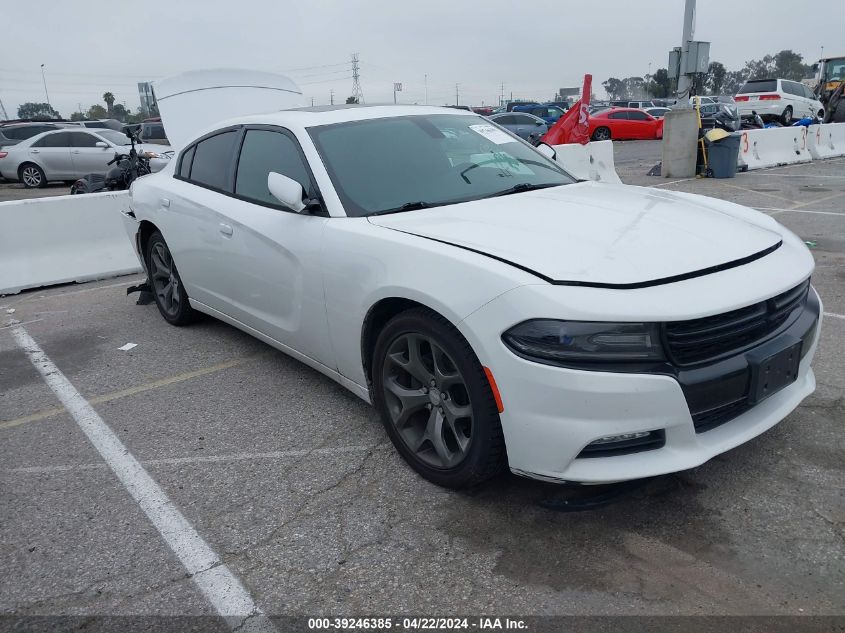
pixel 624 123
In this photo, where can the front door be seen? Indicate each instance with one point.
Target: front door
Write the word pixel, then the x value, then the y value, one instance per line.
pixel 87 157
pixel 52 152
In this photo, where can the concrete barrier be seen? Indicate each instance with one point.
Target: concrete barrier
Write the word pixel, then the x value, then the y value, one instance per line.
pixel 593 161
pixel 770 147
pixel 826 141
pixel 45 241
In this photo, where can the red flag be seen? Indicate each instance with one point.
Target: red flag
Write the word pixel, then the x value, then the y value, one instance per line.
pixel 574 126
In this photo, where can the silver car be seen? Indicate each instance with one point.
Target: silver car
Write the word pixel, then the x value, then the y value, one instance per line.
pixel 524 125
pixel 69 154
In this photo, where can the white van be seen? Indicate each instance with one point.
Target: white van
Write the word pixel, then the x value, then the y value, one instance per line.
pixel 780 99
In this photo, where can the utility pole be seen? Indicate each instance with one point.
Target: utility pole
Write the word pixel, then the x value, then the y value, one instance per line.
pixel 502 95
pixel 426 88
pixel 44 79
pixel 457 101
pixel 688 34
pixel 331 96
pixel 357 93
pixel 3 111
pixel 312 102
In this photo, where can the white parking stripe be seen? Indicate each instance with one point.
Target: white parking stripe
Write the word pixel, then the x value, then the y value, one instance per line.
pixel 222 589
pixel 781 210
pixel 204 459
pixel 834 315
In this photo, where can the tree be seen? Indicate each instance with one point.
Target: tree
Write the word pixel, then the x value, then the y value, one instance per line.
pixel 351 99
pixel 120 112
pixel 32 110
pixel 615 88
pixel 790 65
pixel 634 87
pixel 109 99
pixel 733 81
pixel 660 86
pixel 714 81
pixel 96 111
pixel 77 116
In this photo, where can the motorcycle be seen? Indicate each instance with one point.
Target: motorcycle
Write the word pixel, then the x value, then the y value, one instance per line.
pixel 128 167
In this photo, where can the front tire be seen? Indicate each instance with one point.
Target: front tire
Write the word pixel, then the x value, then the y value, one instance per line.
pixel 170 295
pixel 32 176
pixel 601 134
pixel 786 118
pixel 435 401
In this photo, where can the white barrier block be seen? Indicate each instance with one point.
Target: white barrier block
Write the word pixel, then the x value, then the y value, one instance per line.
pixel 593 161
pixel 770 147
pixel 46 241
pixel 826 141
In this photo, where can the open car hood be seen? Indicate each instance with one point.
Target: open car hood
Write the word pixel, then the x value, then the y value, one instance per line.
pixel 193 101
pixel 603 235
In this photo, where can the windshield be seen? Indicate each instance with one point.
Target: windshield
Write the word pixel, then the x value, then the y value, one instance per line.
pixel 400 163
pixel 835 69
pixel 114 137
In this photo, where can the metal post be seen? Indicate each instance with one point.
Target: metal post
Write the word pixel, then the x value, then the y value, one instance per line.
pixel 44 79
pixel 394 93
pixel 689 32
pixel 426 89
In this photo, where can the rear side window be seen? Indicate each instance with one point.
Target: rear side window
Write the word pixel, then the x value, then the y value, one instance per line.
pixel 264 151
pixel 638 116
pixel 617 115
pixel 154 131
pixel 185 165
pixel 759 85
pixel 60 139
pixel 212 164
pixel 505 120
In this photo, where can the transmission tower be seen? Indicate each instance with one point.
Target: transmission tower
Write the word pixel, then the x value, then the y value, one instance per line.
pixel 3 111
pixel 357 93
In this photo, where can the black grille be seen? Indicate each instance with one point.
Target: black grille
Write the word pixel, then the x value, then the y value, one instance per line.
pixel 699 340
pixel 706 420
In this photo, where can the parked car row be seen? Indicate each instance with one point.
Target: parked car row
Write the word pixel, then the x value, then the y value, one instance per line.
pixel 67 154
pixel 12 133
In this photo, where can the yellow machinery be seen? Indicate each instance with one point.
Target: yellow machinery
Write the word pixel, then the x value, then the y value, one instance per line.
pixel 829 86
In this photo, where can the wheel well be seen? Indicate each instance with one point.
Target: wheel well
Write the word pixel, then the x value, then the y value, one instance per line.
pixel 376 319
pixel 145 230
pixel 22 165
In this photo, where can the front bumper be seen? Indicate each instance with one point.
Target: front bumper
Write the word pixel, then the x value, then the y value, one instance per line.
pixel 552 413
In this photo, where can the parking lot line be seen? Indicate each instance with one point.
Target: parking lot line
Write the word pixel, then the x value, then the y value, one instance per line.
pixel 213 578
pixel 204 459
pixel 834 315
pixel 811 211
pixel 131 391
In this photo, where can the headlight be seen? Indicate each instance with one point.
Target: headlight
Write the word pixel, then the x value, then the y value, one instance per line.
pixel 583 341
pixel 153 155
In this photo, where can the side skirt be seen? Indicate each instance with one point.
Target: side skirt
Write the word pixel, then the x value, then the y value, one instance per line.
pixel 354 387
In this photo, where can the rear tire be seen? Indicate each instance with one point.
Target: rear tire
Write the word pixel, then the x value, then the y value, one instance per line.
pixel 435 401
pixel 786 117
pixel 169 293
pixel 32 176
pixel 601 134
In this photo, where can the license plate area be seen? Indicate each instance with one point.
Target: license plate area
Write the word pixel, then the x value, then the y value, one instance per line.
pixel 773 367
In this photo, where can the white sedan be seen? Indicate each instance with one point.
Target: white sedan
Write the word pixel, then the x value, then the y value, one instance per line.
pixel 495 311
pixel 68 154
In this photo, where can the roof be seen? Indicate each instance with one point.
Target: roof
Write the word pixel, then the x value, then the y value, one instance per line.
pixel 327 115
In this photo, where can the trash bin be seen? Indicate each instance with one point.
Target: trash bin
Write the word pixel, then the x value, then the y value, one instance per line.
pixel 722 156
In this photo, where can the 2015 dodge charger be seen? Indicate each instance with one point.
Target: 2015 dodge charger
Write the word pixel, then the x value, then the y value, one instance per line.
pixel 495 311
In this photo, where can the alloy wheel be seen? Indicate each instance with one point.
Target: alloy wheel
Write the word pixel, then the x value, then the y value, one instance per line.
pixel 602 134
pixel 427 400
pixel 31 176
pixel 164 278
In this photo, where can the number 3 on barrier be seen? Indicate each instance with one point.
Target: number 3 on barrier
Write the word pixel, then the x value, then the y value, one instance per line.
pixel 745 142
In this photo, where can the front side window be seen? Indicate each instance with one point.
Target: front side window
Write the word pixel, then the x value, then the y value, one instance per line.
pixel 262 152
pixel 392 164
pixel 213 161
pixel 617 115
pixel 81 139
pixel 638 116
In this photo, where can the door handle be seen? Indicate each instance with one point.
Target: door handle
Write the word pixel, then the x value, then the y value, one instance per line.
pixel 76 151
pixel 226 230
pixel 165 202
pixel 33 151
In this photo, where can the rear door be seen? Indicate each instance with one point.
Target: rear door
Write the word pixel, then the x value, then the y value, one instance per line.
pixel 87 157
pixel 52 152
pixel 618 124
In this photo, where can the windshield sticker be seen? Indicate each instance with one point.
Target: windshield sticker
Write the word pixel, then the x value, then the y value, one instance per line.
pixel 493 134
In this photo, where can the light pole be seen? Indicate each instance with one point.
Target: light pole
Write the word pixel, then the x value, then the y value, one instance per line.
pixel 44 79
pixel 426 87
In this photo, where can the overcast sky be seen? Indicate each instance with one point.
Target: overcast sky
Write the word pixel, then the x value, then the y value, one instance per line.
pixel 533 49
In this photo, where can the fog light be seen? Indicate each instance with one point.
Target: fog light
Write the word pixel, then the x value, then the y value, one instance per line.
pixel 624 437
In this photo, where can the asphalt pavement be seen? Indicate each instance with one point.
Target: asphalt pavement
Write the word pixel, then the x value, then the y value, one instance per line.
pixel 293 485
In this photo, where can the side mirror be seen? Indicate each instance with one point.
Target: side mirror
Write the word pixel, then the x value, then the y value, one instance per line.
pixel 547 150
pixel 102 145
pixel 286 190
